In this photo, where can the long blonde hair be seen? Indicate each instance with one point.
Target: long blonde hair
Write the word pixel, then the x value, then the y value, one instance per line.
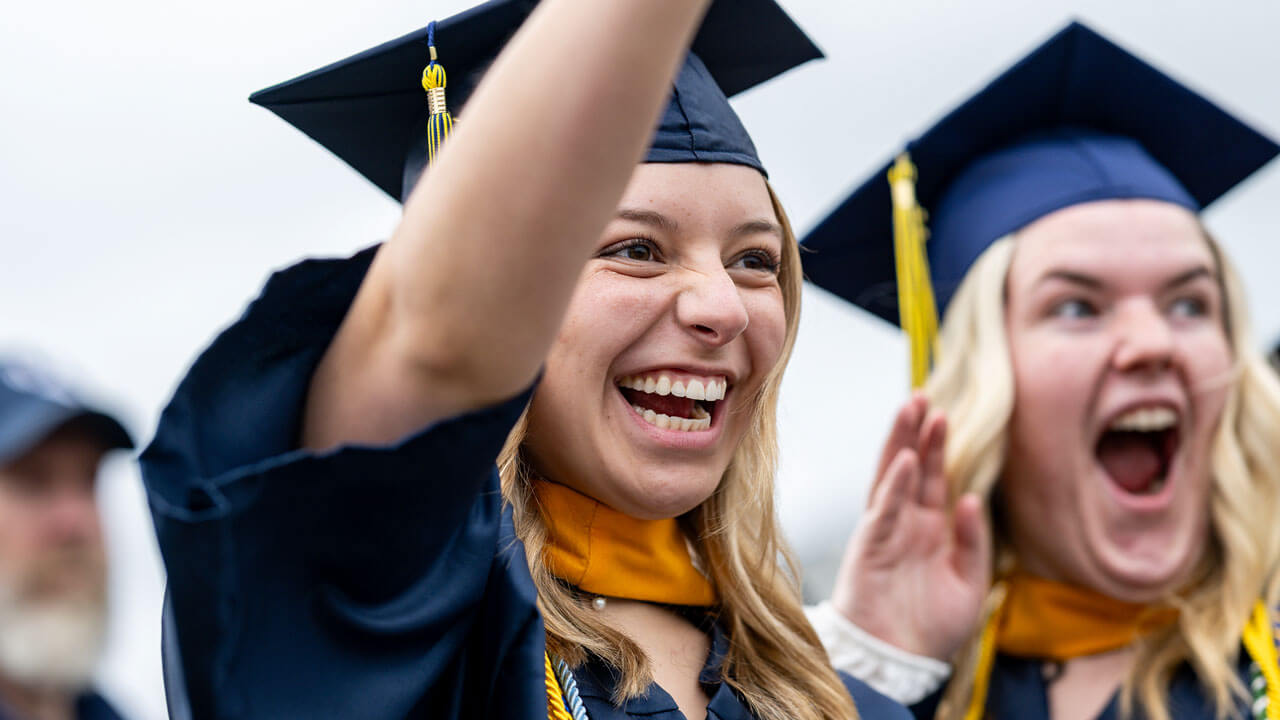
pixel 974 384
pixel 775 660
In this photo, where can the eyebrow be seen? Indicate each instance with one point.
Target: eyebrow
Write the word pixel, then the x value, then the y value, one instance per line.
pixel 1089 281
pixel 662 222
pixel 756 227
pixel 1075 278
pixel 1195 273
pixel 649 217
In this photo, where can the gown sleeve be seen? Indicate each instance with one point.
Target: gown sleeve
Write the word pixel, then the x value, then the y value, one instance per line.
pixel 344 583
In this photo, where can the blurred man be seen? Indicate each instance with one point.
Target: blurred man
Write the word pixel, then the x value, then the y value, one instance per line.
pixel 52 560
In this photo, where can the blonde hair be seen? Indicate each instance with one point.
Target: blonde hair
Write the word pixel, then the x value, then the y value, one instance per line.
pixel 775 660
pixel 974 384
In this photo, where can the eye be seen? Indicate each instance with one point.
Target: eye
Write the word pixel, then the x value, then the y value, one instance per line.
pixel 1074 309
pixel 758 260
pixel 1189 307
pixel 633 249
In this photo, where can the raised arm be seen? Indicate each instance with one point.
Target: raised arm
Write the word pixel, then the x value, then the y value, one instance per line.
pixel 462 304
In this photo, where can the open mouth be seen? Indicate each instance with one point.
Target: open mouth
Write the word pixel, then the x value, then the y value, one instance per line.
pixel 1138 447
pixel 674 401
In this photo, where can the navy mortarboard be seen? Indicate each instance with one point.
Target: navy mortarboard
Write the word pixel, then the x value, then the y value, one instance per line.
pixel 374 110
pixel 33 405
pixel 1078 119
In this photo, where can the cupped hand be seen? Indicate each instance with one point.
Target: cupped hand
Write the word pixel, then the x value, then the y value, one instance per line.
pixel 917 569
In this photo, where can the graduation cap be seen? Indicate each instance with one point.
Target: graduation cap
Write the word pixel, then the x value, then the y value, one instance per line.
pixel 1077 120
pixel 372 110
pixel 33 404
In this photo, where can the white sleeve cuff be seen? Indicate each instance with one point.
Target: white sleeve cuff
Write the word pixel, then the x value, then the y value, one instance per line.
pixel 894 672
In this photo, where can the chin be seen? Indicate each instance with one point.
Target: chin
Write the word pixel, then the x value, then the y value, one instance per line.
pixel 53 643
pixel 1148 570
pixel 658 495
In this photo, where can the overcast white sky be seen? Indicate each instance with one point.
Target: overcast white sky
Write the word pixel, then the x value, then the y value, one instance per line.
pixel 145 200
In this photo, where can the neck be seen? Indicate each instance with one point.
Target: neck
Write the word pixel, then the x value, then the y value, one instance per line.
pixel 37 703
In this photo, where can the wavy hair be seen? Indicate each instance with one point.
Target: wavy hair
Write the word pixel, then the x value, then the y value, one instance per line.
pixel 775 660
pixel 974 384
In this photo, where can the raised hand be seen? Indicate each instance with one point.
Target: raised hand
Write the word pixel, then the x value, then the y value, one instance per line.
pixel 916 570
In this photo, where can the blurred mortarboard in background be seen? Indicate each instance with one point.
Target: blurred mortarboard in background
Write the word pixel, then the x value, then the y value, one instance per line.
pixel 33 404
pixel 371 108
pixel 1077 120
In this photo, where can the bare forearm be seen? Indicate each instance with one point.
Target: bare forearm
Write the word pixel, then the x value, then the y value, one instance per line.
pixel 493 239
pixel 462 304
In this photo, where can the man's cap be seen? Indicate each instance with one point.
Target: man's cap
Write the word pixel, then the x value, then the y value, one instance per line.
pixel 33 405
pixel 370 109
pixel 1077 120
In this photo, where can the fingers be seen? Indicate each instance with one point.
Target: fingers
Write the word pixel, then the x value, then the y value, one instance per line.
pixel 972 559
pixel 898 487
pixel 904 434
pixel 932 448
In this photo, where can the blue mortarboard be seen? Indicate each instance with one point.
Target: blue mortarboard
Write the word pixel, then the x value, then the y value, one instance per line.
pixel 33 404
pixel 371 109
pixel 1077 120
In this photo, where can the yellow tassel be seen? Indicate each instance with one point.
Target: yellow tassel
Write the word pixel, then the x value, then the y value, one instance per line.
pixel 917 312
pixel 1260 641
pixel 434 81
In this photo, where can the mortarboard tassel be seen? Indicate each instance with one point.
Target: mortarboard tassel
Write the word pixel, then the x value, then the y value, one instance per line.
pixel 434 81
pixel 916 309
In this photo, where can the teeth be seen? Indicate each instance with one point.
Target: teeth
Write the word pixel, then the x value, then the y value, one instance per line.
pixel 700 421
pixel 710 389
pixel 663 386
pixel 1145 420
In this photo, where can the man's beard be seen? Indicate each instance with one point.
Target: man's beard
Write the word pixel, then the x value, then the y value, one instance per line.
pixel 53 641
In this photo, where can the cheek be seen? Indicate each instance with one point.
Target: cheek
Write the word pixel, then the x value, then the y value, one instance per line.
pixel 766 327
pixel 606 313
pixel 1207 357
pixel 1054 378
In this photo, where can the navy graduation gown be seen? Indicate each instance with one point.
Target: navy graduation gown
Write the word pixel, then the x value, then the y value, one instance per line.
pixel 1019 691
pixel 362 582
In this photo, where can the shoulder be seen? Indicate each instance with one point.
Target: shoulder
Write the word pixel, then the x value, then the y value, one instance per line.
pixel 241 400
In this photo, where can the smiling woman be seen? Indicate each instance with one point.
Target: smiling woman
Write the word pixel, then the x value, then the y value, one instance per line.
pixel 1095 382
pixel 607 320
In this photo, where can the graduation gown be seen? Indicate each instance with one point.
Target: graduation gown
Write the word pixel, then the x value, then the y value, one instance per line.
pixel 1019 690
pixel 364 583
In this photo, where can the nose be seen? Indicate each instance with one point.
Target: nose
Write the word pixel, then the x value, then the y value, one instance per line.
pixel 1145 339
pixel 711 307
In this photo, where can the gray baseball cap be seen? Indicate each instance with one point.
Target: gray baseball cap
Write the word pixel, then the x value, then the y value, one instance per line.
pixel 33 404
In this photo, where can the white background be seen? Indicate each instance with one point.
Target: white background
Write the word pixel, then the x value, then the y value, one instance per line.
pixel 144 201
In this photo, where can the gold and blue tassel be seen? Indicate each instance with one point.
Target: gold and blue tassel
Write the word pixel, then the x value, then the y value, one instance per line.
pixel 917 311
pixel 434 81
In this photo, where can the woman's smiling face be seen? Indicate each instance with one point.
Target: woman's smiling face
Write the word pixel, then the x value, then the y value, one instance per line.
pixel 676 322
pixel 1122 365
